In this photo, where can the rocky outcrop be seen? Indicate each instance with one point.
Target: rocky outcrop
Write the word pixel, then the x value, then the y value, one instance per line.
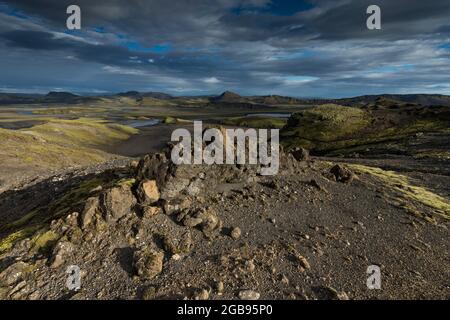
pixel 148 263
pixel 117 202
pixel 300 154
pixel 342 174
pixel 148 192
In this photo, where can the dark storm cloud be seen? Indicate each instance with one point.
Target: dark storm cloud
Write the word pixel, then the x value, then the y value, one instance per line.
pixel 34 40
pixel 316 47
pixel 401 19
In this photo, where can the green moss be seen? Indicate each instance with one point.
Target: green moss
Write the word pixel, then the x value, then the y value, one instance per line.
pixel 335 129
pixel 42 243
pixel 323 125
pixel 68 111
pixel 20 222
pixel 129 182
pixel 59 207
pixel 7 242
pixel 439 205
pixel 170 120
pixel 61 143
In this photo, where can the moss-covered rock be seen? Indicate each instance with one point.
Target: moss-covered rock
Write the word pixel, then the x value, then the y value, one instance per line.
pixel 43 242
pixel 318 127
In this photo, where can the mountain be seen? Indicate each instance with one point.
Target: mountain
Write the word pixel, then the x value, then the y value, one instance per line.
pixel 228 97
pixel 18 98
pixel 383 99
pixel 422 99
pixel 231 97
pixel 60 96
pixel 140 95
pixel 275 99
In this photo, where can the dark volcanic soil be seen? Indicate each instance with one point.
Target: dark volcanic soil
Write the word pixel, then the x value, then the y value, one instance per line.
pixel 150 139
pixel 303 235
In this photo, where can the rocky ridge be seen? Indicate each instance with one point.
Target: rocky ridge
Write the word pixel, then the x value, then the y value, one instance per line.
pixel 160 231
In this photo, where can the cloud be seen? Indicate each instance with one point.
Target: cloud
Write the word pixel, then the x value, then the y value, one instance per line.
pixel 301 48
pixel 211 80
pixel 119 70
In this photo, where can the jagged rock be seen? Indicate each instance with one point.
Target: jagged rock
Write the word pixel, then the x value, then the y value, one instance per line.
pixel 60 253
pixel 329 293
pixel 170 179
pixel 117 202
pixel 202 295
pixel 153 167
pixel 148 263
pixel 72 219
pixel 151 211
pixel 300 154
pixel 211 224
pixel 148 192
pixel 134 164
pixel 3 293
pixel 174 187
pixel 284 279
pixel 91 208
pixel 176 205
pixel 14 273
pixel 176 257
pixel 175 239
pixel 210 220
pixel 342 174
pixel 273 184
pixel 170 208
pixel 236 233
pixel 303 262
pixel 205 218
pixel 178 244
pixel 220 287
pixel 20 291
pixel 192 222
pixel 249 295
pixel 316 185
pixel 194 187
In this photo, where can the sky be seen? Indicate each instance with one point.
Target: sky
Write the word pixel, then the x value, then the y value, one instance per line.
pixel 302 48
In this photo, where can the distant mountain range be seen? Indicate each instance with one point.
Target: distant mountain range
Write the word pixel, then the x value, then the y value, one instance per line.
pixel 228 97
pixel 385 99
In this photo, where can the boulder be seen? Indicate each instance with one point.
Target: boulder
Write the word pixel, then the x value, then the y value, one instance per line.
pixel 60 253
pixel 117 202
pixel 149 212
pixel 178 244
pixel 249 295
pixel 236 233
pixel 14 273
pixel 342 174
pixel 148 192
pixel 195 186
pixel 148 263
pixel 91 208
pixel 174 206
pixel 300 154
